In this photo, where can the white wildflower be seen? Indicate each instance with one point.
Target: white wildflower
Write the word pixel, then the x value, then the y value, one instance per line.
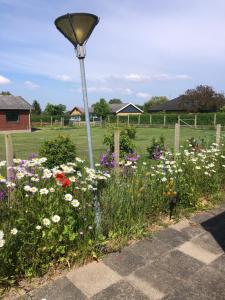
pixel 55 219
pixel 68 197
pixel 44 191
pixel 38 227
pixel 75 203
pixel 14 231
pixel 2 243
pixel 27 188
pixel 46 221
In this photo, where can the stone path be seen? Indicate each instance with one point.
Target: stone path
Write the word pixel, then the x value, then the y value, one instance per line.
pixel 184 261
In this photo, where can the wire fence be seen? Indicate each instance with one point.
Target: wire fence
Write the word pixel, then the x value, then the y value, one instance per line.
pixel 25 144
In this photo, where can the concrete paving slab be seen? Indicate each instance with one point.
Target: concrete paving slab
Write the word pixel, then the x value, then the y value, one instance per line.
pixel 150 249
pixel 193 231
pixel 61 289
pixel 202 217
pixel 144 286
pixel 187 293
pixel 124 262
pixel 197 252
pixel 120 291
pixel 219 264
pixel 207 242
pixel 93 278
pixel 178 264
pixel 181 225
pixel 172 237
pixel 210 282
pixel 159 279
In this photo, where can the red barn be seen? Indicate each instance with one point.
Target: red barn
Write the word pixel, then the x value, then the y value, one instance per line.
pixel 14 114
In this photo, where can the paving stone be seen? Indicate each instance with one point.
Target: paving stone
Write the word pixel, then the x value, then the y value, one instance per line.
pixel 197 252
pixel 150 249
pixel 181 225
pixel 124 262
pixel 218 210
pixel 187 293
pixel 158 278
pixel 61 289
pixel 172 237
pixel 219 264
pixel 144 286
pixel 93 278
pixel 120 291
pixel 207 242
pixel 202 217
pixel 193 231
pixel 178 264
pixel 210 282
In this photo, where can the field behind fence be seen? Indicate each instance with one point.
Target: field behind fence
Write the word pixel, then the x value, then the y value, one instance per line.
pixel 24 144
pixel 200 120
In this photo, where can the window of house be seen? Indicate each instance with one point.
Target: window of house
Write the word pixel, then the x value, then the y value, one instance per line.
pixel 12 116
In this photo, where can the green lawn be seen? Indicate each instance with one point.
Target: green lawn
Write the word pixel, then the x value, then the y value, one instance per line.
pixel 27 143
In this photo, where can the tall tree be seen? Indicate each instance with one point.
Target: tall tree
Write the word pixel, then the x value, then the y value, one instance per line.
pixel 202 98
pixel 55 110
pixel 5 93
pixel 154 101
pixel 36 107
pixel 101 108
pixel 115 101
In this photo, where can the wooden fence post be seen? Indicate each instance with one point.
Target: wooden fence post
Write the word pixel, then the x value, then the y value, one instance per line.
pixel 218 131
pixel 9 154
pixel 150 120
pixel 164 121
pixel 178 120
pixel 139 119
pixel 195 121
pixel 61 123
pixel 128 119
pixel 214 121
pixel 51 121
pixel 177 137
pixel 117 120
pixel 117 147
pixel 108 119
pixel 41 123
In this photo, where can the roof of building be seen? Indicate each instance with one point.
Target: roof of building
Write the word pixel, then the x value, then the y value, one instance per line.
pixel 114 108
pixel 171 105
pixel 10 102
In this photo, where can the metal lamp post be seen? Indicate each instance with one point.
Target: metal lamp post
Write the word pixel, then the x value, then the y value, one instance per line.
pixel 77 28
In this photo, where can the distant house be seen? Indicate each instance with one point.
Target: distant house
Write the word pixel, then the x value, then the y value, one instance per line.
pixel 14 114
pixel 170 106
pixel 120 109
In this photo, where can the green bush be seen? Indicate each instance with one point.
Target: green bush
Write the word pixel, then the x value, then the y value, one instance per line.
pixel 59 150
pixel 157 147
pixel 131 132
pixel 126 143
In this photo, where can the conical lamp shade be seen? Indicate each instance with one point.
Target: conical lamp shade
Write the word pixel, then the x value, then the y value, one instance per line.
pixel 77 27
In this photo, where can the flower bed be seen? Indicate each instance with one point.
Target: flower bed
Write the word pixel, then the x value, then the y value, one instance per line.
pixel 48 216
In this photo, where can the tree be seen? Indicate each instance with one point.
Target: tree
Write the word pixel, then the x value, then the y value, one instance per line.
pixel 55 110
pixel 36 107
pixel 154 101
pixel 5 93
pixel 115 101
pixel 101 108
pixel 202 98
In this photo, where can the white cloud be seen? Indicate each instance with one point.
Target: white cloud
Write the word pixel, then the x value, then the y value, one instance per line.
pixel 65 78
pixel 31 85
pixel 4 80
pixel 137 77
pixel 143 95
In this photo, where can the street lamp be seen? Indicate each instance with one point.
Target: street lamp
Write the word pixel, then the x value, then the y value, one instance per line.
pixel 77 28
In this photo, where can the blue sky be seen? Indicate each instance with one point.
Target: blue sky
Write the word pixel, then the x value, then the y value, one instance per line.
pixel 139 49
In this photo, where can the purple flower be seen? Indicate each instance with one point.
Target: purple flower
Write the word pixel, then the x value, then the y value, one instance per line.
pixel 108 160
pixel 3 194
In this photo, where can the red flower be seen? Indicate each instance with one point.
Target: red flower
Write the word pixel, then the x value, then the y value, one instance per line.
pixel 65 182
pixel 60 176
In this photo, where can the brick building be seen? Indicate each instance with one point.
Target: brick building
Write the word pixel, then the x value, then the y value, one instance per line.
pixel 14 114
